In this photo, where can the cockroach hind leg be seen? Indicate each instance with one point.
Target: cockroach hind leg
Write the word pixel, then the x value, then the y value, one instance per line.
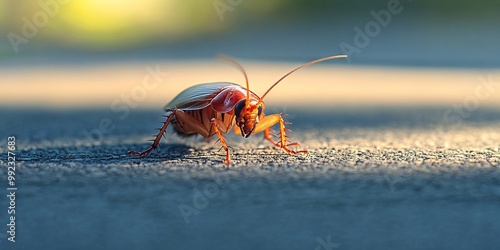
pixel 156 140
pixel 140 154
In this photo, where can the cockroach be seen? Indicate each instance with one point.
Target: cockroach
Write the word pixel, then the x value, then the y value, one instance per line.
pixel 210 109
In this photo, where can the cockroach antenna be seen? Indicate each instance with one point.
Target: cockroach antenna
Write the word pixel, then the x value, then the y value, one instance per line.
pixel 300 67
pixel 237 65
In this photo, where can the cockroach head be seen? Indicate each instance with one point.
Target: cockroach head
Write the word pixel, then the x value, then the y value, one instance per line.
pixel 247 116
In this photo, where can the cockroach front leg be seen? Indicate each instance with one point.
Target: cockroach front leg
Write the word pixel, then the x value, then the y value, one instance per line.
pixel 265 125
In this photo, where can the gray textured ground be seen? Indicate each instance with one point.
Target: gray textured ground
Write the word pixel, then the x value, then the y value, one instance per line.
pixel 374 179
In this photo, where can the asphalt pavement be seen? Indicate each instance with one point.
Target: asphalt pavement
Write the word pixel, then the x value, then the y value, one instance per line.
pixel 374 178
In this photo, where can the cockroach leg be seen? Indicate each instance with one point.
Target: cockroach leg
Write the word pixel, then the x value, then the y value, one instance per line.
pixel 157 138
pixel 267 136
pixel 284 137
pixel 267 122
pixel 222 140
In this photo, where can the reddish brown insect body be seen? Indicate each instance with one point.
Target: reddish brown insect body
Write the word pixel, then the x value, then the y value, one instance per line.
pixel 213 108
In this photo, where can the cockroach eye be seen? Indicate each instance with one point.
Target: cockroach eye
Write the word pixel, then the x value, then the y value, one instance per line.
pixel 239 107
pixel 260 110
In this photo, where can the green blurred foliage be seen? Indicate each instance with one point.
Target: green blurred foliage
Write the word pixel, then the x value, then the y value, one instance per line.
pixel 119 24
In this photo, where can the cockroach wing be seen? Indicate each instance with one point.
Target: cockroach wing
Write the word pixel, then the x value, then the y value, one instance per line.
pixel 198 96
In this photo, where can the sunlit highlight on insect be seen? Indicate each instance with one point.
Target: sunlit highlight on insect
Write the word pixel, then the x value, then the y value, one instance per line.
pixel 213 108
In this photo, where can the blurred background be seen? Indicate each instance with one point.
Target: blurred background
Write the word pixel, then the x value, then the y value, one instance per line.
pixel 425 32
pixel 82 82
pixel 56 35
